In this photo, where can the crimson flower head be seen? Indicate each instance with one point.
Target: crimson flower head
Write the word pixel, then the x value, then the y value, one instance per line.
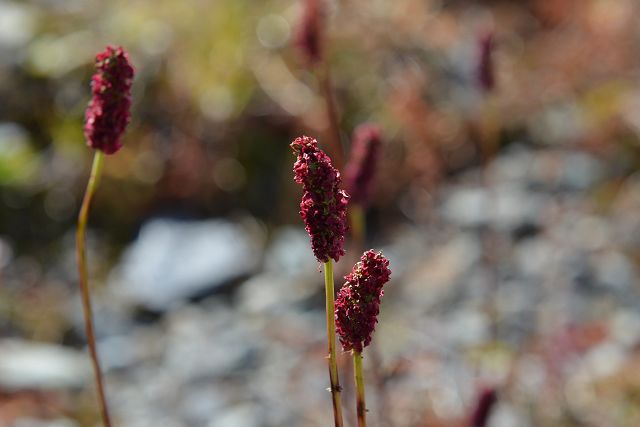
pixel 361 169
pixel 358 302
pixel 485 73
pixel 108 113
pixel 324 206
pixel 309 33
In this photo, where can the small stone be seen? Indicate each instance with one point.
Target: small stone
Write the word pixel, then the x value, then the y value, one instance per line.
pixel 289 254
pixel 175 260
pixel 245 415
pixel 37 366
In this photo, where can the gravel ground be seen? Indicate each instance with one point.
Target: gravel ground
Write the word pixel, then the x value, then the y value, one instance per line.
pixel 522 280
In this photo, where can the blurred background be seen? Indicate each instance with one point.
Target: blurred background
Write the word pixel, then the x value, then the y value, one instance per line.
pixel 510 212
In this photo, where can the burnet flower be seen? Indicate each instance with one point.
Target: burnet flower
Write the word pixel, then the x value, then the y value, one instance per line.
pixel 360 170
pixel 108 112
pixel 358 302
pixel 106 118
pixel 324 205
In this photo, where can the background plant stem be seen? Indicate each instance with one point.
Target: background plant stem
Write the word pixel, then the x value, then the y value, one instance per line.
pixel 335 142
pixel 331 339
pixel 96 169
pixel 361 407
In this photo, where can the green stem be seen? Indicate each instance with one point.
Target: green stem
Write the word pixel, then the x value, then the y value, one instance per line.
pixel 331 339
pixel 356 218
pixel 96 169
pixel 361 407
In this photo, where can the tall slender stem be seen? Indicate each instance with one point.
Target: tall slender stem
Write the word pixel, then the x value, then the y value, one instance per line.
pixel 331 339
pixel 361 407
pixel 96 169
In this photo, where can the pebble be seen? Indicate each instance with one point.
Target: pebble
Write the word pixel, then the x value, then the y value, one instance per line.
pixel 174 260
pixel 26 365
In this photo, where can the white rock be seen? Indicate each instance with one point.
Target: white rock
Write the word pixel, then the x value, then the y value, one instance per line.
pixel 289 253
pixel 242 415
pixel 435 277
pixel 28 365
pixel 173 260
pixel 505 206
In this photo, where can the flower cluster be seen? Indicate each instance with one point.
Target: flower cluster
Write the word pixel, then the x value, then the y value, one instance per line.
pixel 309 33
pixel 361 168
pixel 358 302
pixel 485 74
pixel 108 112
pixel 324 206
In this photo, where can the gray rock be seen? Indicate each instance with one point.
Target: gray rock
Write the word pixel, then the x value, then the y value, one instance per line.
pixel 580 171
pixel 435 278
pixel 269 292
pixel 201 345
pixel 614 271
pixel 174 260
pixel 289 253
pixel 505 207
pixel 245 415
pixel 29 365
pixel 467 327
pixel 513 166
pixel 506 415
pixel 200 403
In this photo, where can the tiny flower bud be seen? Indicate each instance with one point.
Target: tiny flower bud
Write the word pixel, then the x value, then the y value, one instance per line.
pixel 324 206
pixel 358 302
pixel 309 33
pixel 363 162
pixel 108 114
pixel 485 73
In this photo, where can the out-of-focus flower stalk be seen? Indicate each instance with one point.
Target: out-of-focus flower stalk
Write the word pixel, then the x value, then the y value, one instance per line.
pixel 332 116
pixel 312 43
pixel 485 73
pixel 96 169
pixel 106 118
pixel 359 175
pixel 484 405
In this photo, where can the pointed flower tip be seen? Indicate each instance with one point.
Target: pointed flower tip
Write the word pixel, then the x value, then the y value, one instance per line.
pixel 363 162
pixel 324 205
pixel 108 112
pixel 358 301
